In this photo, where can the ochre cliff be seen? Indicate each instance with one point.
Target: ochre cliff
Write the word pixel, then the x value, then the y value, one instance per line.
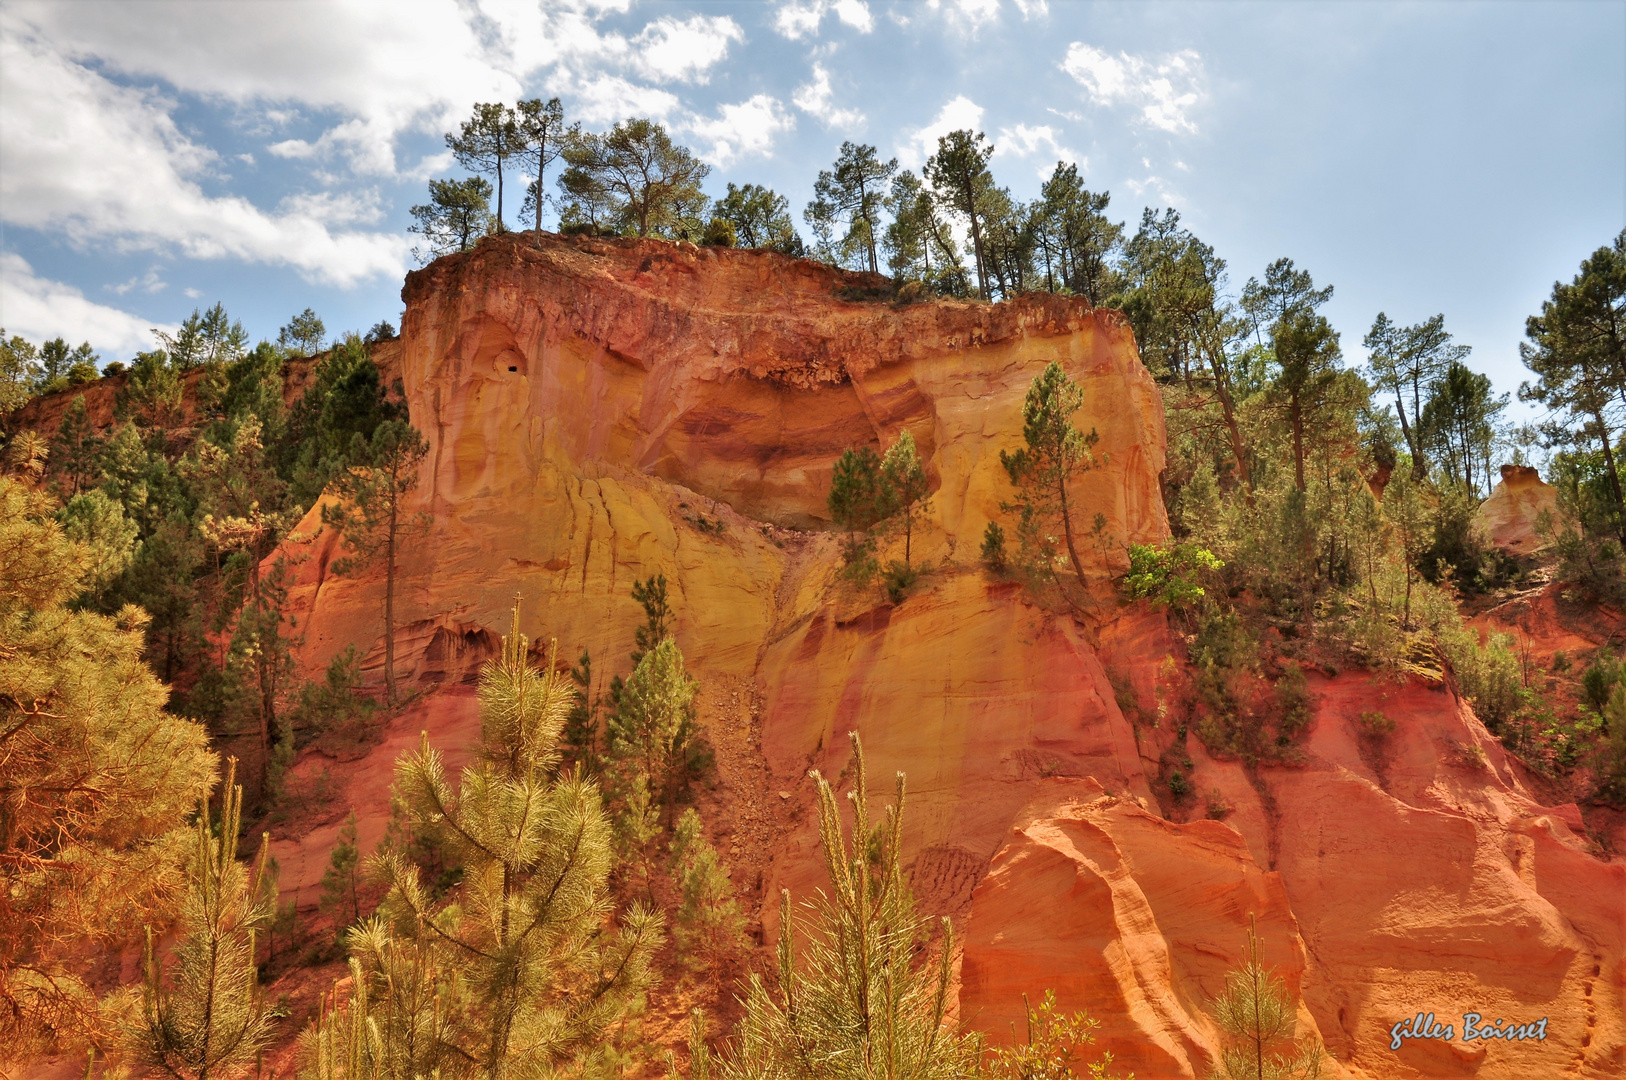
pixel 1511 516
pixel 601 411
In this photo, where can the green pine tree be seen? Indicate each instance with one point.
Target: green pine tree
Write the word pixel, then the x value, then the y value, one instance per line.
pixel 653 726
pixel 1055 452
pixel 95 788
pixel 209 1020
pixel 859 499
pixel 857 1004
pixel 909 488
pixel 373 516
pixel 581 725
pixel 528 940
pixel 1258 1016
pixel 341 881
pixel 708 926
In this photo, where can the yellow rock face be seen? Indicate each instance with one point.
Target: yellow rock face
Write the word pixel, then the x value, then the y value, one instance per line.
pixel 602 411
pixel 1509 516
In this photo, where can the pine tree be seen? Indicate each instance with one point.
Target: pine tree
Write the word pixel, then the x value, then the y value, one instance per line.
pixel 958 173
pixel 633 176
pixel 859 499
pixel 544 976
pixel 653 725
pixel 1257 1014
pixel 341 881
pixel 540 126
pixel 485 142
pixel 457 214
pixel 373 517
pixel 857 1005
pixel 96 783
pixel 910 489
pixel 209 1021
pixel 1055 453
pixel 581 725
pixel 853 191
pixel 708 926
pixel 303 335
pixel 1577 351
pixel 76 447
pixel 403 1018
pixel 651 596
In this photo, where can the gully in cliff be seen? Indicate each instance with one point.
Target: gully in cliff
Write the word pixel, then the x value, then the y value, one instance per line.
pixel 1423 1026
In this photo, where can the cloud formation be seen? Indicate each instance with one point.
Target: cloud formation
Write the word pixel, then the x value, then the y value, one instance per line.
pixel 958 112
pixel 669 49
pixel 1023 141
pixel 742 129
pixel 817 99
pixel 40 309
pixel 1165 90
pixel 95 161
pixel 801 18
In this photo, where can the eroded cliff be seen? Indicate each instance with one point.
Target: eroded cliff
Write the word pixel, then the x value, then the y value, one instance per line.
pixel 600 411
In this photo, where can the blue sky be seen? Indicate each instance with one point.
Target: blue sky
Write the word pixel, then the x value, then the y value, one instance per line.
pixel 1422 158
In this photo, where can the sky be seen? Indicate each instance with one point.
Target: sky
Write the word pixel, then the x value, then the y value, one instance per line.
pixel 1453 158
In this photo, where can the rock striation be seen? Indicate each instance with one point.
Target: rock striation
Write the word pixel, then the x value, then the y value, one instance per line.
pixel 599 411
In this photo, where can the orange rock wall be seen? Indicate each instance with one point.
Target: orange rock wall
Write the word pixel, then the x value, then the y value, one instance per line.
pixel 600 411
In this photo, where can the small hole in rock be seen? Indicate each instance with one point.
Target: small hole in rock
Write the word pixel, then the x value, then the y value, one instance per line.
pixel 512 368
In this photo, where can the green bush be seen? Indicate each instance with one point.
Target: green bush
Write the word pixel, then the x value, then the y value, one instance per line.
pixel 898 577
pixel 993 547
pixel 1169 576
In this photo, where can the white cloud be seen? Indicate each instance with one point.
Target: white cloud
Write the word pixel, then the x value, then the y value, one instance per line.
pixel 801 18
pixel 742 130
pixel 149 283
pixel 1165 90
pixel 379 69
pixel 94 161
pixel 958 112
pixel 816 98
pixel 1155 191
pixel 671 50
pixel 1024 141
pixel 608 98
pixel 40 309
pixel 972 14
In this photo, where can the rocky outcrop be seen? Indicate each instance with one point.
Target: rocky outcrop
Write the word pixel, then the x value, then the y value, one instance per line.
pixel 1509 517
pixel 601 411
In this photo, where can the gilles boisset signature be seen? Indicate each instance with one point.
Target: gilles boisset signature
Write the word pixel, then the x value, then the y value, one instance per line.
pixel 1422 1026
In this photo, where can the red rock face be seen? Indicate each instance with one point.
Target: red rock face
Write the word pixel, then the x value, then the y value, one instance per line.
pixel 601 411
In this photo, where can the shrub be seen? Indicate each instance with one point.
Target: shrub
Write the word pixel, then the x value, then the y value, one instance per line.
pixel 1179 786
pixel 993 547
pixel 720 233
pixel 897 579
pixel 1374 725
pixel 1169 576
pixel 1598 681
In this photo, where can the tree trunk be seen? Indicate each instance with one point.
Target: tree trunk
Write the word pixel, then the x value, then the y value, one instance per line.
pixel 1614 474
pixel 1228 410
pixel 1067 530
pixel 1419 462
pixel 976 234
pixel 1296 412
